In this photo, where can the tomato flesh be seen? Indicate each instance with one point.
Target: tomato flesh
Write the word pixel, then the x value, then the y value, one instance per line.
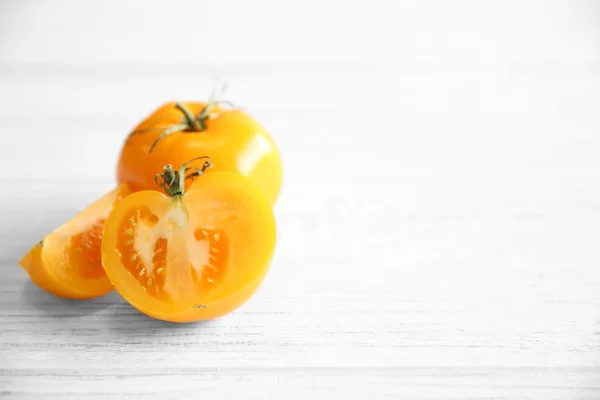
pixel 83 251
pixel 214 269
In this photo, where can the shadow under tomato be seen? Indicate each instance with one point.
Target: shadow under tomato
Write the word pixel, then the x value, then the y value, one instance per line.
pixel 65 308
pixel 117 315
pixel 126 320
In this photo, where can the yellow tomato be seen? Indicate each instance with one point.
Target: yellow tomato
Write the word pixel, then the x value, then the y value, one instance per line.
pixel 178 132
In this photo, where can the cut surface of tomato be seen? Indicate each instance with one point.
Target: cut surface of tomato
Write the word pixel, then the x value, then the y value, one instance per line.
pixel 193 256
pixel 67 262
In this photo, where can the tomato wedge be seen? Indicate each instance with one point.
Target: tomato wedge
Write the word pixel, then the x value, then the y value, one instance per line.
pixel 67 262
pixel 193 256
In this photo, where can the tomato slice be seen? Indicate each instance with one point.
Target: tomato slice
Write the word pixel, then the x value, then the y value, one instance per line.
pixel 194 256
pixel 67 262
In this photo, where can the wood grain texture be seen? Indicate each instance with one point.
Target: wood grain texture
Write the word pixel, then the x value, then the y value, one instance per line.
pixel 438 227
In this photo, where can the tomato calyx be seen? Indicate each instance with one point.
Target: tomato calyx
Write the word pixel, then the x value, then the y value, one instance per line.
pixel 197 123
pixel 173 181
pixel 190 123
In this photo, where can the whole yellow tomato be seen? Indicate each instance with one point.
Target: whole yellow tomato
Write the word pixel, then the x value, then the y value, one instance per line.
pixel 178 132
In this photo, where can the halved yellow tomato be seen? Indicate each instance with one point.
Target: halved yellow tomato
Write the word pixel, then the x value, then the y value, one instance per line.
pixel 67 262
pixel 193 256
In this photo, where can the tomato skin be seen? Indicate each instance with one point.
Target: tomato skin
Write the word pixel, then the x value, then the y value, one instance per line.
pixel 223 201
pixel 235 141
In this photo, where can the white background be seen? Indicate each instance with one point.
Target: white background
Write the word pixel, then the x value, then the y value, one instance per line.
pixel 439 223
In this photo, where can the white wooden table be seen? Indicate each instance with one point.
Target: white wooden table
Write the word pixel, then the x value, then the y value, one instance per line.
pixel 439 225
